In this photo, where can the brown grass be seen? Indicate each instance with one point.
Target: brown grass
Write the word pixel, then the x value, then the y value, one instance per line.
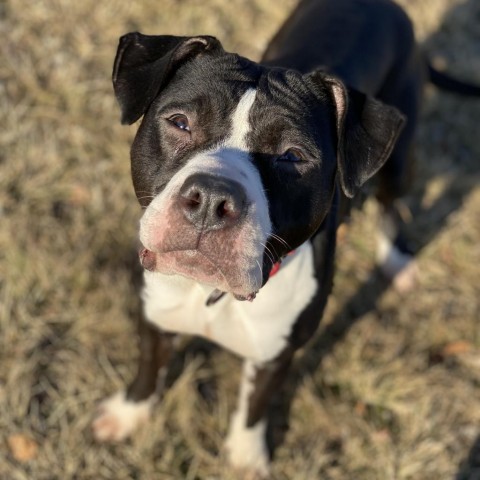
pixel 390 389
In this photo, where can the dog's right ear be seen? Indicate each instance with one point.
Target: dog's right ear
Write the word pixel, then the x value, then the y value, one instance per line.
pixel 145 63
pixel 367 130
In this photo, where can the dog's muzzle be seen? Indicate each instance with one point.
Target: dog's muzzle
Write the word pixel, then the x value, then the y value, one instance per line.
pixel 205 231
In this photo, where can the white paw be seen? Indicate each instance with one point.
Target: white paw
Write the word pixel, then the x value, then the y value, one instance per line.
pixel 118 417
pixel 402 270
pixel 399 267
pixel 406 279
pixel 246 449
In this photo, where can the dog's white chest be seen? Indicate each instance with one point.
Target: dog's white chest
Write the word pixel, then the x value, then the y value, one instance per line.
pixel 257 330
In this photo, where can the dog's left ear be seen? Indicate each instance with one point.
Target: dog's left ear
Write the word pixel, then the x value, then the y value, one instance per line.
pixel 145 63
pixel 367 130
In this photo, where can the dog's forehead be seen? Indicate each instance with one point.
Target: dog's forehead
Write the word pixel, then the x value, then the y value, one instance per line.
pixel 219 82
pixel 284 106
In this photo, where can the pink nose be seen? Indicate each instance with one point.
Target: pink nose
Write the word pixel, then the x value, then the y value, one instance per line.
pixel 147 259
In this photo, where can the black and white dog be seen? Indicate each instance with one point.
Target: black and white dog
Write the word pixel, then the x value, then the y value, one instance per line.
pixel 242 165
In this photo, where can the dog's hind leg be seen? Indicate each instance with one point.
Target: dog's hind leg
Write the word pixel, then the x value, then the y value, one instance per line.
pixel 121 414
pixel 246 445
pixel 393 255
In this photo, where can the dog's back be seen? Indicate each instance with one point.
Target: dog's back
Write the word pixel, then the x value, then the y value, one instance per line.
pixel 369 44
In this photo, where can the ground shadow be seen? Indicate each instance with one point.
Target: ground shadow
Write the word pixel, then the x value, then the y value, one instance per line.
pixel 470 467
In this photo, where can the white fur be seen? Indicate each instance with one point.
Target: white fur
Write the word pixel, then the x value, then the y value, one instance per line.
pixel 256 330
pixel 246 447
pixel 400 267
pixel 240 123
pixel 118 417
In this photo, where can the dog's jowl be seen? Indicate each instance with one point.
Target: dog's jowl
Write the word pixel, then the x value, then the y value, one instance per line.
pixel 244 171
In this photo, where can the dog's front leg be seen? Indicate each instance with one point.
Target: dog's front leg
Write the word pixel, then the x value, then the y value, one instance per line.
pixel 120 414
pixel 246 441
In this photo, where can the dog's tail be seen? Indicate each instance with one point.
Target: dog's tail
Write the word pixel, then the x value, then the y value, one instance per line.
pixel 450 84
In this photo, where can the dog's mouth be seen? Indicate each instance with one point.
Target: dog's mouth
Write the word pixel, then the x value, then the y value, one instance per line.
pixel 194 264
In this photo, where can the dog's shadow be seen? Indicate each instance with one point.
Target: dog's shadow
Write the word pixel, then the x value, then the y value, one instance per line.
pixel 470 467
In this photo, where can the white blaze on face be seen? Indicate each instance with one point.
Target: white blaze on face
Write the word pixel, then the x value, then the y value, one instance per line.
pixel 230 160
pixel 240 122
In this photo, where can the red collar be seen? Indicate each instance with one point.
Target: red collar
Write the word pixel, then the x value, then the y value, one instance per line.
pixel 276 266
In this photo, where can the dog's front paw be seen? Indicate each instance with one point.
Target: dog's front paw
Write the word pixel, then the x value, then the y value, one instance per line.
pixel 247 452
pixel 118 417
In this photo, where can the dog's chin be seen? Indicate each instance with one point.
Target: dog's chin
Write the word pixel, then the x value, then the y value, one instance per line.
pixel 197 266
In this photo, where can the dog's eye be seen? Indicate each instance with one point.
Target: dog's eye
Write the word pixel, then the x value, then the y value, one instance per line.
pixel 291 155
pixel 180 121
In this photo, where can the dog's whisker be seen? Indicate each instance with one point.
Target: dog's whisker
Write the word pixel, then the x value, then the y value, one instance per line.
pixel 273 251
pixel 259 267
pixel 281 240
pixel 268 252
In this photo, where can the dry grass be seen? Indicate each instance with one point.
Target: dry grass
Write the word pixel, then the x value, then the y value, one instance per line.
pixel 390 389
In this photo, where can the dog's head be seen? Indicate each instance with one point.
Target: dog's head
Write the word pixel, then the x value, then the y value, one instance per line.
pixel 235 163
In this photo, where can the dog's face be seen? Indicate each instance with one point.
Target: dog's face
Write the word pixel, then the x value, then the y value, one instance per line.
pixel 235 163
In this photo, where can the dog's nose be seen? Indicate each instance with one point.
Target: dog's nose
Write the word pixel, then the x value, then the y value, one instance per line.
pixel 211 203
